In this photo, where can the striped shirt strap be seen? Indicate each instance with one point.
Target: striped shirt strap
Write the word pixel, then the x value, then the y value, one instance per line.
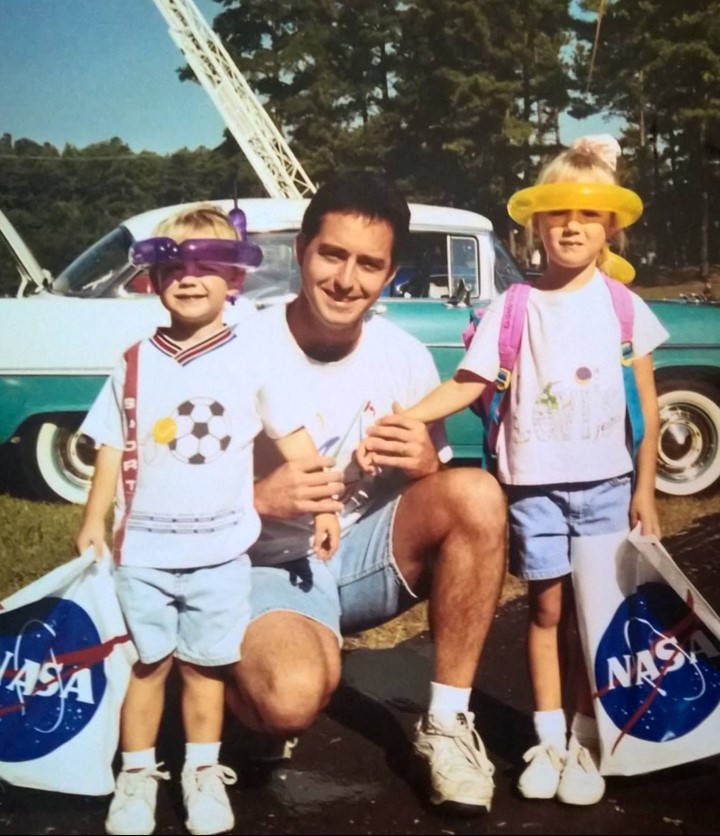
pixel 130 459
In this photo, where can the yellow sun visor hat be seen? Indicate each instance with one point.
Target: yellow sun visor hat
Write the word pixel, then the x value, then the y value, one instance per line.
pixel 617 267
pixel 553 197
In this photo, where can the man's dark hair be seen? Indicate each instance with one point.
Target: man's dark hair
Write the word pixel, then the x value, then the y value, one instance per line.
pixel 360 193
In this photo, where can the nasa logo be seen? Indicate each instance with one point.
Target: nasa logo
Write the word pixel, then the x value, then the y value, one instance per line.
pixel 52 677
pixel 657 666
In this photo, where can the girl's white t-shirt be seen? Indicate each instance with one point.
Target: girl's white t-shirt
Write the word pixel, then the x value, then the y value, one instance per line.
pixel 566 416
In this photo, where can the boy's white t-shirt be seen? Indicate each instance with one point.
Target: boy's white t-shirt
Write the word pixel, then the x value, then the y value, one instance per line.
pixel 344 399
pixel 198 412
pixel 566 416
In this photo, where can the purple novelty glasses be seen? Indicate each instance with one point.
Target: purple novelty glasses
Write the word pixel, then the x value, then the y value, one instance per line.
pixel 169 261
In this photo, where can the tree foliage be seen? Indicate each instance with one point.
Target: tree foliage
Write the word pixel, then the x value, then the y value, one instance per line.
pixel 459 101
pixel 657 64
pixel 62 201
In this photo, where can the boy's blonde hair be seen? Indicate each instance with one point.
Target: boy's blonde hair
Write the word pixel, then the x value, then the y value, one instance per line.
pixel 200 218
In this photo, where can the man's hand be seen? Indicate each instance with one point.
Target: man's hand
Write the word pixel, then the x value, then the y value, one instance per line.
pixel 303 486
pixel 399 441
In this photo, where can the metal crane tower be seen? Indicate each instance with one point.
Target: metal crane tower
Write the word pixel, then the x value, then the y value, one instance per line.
pixel 261 142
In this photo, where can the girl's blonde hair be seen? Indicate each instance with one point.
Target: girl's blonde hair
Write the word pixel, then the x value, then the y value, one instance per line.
pixel 590 159
pixel 199 218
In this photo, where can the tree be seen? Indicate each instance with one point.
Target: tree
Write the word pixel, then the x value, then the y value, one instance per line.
pixel 658 66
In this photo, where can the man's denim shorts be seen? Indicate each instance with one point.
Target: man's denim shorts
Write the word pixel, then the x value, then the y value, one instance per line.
pixel 544 518
pixel 359 587
pixel 199 615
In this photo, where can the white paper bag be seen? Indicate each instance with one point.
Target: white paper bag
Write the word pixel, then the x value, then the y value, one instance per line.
pixel 65 659
pixel 652 646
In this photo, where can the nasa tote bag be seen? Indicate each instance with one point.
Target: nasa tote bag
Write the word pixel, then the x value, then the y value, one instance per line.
pixel 652 647
pixel 65 660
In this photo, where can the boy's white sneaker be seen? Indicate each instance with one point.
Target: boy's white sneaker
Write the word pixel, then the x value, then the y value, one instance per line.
pixel 132 809
pixel 460 771
pixel 581 782
pixel 206 801
pixel 541 776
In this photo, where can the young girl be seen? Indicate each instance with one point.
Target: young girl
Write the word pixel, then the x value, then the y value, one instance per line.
pixel 561 452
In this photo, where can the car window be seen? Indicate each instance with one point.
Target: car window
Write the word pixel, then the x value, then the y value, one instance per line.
pixel 279 273
pixel 436 266
pixel 464 270
pixel 99 269
pixel 11 272
pixel 507 271
pixel 104 270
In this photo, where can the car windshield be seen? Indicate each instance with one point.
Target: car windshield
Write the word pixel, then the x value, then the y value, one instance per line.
pixel 104 270
pixel 507 271
pixel 98 268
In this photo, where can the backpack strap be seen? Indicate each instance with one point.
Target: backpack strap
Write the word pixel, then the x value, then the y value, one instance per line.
pixel 623 305
pixel 130 460
pixel 509 339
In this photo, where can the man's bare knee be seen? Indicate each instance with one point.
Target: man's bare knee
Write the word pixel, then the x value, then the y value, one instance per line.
pixel 289 669
pixel 478 501
pixel 292 701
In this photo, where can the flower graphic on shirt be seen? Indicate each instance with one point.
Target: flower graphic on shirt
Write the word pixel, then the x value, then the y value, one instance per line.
pixel 548 398
pixel 583 375
pixel 552 414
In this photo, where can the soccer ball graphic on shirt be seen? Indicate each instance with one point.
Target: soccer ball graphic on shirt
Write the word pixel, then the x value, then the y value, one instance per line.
pixel 197 432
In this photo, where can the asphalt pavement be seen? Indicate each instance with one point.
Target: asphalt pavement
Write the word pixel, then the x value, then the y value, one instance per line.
pixel 352 772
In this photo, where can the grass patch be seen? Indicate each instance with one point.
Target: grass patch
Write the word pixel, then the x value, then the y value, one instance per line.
pixel 36 537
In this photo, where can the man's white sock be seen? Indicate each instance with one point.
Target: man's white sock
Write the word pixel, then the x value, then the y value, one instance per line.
pixel 447 700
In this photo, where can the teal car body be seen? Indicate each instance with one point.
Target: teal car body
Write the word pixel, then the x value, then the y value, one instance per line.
pixel 61 337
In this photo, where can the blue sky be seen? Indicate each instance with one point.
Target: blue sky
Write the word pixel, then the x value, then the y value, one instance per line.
pixel 83 71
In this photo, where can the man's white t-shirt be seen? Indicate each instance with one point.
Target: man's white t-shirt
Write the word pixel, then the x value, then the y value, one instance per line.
pixel 566 421
pixel 198 412
pixel 344 399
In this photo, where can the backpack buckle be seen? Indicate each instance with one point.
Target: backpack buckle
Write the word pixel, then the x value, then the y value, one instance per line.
pixel 626 353
pixel 502 381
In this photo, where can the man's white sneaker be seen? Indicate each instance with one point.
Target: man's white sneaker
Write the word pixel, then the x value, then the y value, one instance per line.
pixel 132 809
pixel 581 782
pixel 460 771
pixel 541 778
pixel 206 802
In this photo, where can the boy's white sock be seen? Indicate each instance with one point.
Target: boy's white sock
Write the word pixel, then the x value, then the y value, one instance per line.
pixel 447 700
pixel 144 759
pixel 551 728
pixel 201 754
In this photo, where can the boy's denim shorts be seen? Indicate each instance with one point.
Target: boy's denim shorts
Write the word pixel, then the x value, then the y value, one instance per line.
pixel 544 518
pixel 199 615
pixel 359 587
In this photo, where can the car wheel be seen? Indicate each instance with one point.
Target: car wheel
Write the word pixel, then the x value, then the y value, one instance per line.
pixel 58 461
pixel 689 444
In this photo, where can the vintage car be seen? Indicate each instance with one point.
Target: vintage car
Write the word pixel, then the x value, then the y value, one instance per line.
pixel 62 336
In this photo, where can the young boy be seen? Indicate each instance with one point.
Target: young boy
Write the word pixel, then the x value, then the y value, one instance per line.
pixel 175 425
